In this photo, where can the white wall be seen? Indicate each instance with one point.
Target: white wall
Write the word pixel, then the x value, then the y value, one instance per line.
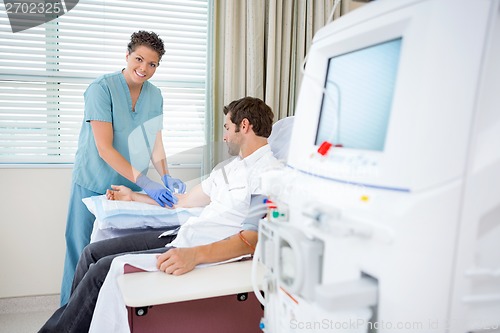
pixel 34 204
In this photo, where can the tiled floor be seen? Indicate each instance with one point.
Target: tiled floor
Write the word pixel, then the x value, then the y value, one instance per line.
pixel 26 314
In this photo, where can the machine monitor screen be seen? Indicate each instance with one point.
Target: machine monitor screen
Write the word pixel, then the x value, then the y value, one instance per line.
pixel 358 95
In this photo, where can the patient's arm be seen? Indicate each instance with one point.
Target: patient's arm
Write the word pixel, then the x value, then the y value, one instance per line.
pixel 123 193
pixel 178 261
pixel 194 198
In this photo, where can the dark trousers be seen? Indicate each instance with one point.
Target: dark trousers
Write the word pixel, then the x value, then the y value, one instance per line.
pixel 90 273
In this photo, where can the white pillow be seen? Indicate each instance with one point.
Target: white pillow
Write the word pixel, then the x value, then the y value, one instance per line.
pixel 111 214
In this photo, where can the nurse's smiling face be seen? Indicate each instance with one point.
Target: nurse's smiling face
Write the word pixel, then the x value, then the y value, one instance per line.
pixel 141 65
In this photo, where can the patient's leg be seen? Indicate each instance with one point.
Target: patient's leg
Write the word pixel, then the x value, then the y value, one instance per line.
pixel 76 315
pixel 140 241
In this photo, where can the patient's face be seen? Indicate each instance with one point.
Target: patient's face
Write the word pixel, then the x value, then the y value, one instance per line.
pixel 231 137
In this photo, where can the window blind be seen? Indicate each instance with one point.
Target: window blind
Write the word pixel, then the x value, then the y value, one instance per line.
pixel 45 70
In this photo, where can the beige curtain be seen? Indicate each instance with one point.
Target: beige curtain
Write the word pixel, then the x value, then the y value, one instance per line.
pixel 291 27
pixel 239 57
pixel 259 49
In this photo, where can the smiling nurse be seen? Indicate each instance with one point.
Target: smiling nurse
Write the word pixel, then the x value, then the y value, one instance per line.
pixel 120 135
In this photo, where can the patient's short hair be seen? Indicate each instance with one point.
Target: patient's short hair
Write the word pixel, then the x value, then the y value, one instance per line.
pixel 258 113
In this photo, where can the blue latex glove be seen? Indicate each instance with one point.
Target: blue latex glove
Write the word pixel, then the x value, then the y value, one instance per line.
pixel 163 196
pixel 174 184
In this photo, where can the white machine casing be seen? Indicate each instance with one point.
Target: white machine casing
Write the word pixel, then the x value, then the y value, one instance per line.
pixel 411 232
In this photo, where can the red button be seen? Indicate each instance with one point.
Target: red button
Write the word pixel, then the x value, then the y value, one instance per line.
pixel 324 148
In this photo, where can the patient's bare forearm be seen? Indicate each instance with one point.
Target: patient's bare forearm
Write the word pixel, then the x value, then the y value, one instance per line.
pixel 141 197
pixel 179 261
pixel 228 248
pixel 124 193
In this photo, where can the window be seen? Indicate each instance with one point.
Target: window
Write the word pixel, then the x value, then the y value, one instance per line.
pixel 45 70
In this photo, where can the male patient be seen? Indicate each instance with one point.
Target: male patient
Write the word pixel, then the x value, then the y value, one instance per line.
pixel 218 234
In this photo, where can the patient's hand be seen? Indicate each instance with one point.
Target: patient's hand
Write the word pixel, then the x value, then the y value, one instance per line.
pixel 120 192
pixel 178 261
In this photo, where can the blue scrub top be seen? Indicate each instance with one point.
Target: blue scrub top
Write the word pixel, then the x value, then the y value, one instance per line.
pixel 134 133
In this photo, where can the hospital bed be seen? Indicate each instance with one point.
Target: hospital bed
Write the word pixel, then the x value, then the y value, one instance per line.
pixel 218 298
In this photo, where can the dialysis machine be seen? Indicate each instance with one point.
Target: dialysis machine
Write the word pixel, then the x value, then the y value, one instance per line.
pixel 387 216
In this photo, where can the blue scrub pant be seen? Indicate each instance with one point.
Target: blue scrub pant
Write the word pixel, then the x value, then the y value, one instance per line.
pixel 79 227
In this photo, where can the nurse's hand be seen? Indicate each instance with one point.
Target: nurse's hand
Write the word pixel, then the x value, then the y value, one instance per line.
pixel 174 184
pixel 163 196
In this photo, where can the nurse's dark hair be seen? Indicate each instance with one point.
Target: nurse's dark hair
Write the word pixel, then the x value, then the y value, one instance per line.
pixel 145 38
pixel 258 113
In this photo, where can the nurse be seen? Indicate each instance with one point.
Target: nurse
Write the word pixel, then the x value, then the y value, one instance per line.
pixel 120 135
